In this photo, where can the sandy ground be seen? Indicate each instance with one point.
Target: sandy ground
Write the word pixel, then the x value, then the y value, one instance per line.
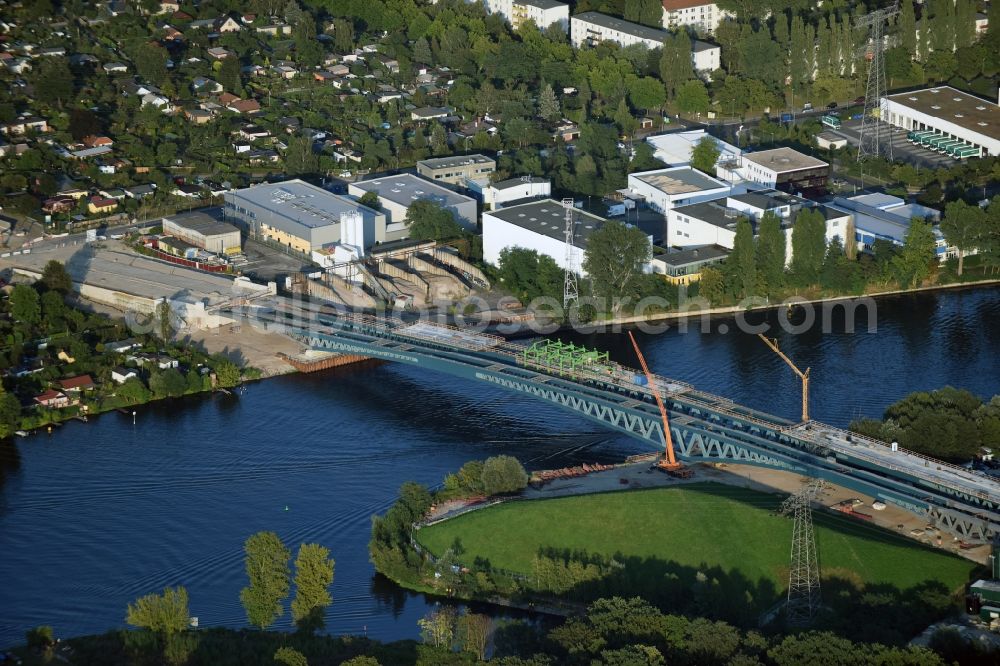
pixel 248 346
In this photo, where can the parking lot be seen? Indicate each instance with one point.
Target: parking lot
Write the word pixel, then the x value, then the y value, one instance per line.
pixel 902 150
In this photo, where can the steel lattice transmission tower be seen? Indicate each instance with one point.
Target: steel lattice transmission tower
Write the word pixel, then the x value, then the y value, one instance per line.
pixel 571 292
pixel 876 141
pixel 803 574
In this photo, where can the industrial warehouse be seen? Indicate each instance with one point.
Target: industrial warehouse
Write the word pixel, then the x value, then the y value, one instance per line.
pixel 298 215
pixel 946 120
pixel 397 193
pixel 203 231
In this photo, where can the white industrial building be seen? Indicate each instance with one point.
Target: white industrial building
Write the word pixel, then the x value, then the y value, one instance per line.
pixel 397 193
pixel 298 215
pixel 204 231
pixel 714 222
pixel 698 14
pixel 887 217
pixel 501 193
pixel 539 226
pixel 947 120
pixel 592 28
pixel 675 148
pixel 666 189
pixel 779 168
pixel 542 12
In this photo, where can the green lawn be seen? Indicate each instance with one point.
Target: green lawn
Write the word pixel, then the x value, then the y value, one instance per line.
pixel 694 525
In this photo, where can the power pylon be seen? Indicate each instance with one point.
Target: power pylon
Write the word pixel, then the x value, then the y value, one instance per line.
pixel 571 292
pixel 803 574
pixel 876 141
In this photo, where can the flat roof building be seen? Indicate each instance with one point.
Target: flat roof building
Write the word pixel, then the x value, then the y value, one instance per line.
pixel 886 217
pixel 204 231
pixel 397 193
pixel 951 121
pixel 457 168
pixel 512 190
pixel 675 148
pixel 684 266
pixel 714 222
pixel 298 215
pixel 779 168
pixel 539 226
pixel 665 189
pixel 592 28
pixel 542 12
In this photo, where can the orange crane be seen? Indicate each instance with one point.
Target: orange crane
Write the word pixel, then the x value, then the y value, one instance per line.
pixel 669 462
pixel 804 376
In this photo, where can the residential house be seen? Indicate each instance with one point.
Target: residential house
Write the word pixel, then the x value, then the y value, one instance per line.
pixel 159 101
pixel 430 113
pixel 98 204
pixel 220 53
pixel 245 106
pixel 339 70
pixel 253 70
pixel 87 153
pixel 58 204
pixel 172 34
pixel 52 399
pixel 275 29
pixel 201 84
pixel 52 51
pixel 168 7
pixel 202 24
pixel 93 141
pixel 25 124
pixel 116 193
pixel 226 98
pixel 186 191
pixel 120 375
pixel 227 24
pixel 262 156
pixel 198 116
pixel 115 67
pixel 161 361
pixel 253 132
pixel 77 384
pixel 140 191
pixel 122 346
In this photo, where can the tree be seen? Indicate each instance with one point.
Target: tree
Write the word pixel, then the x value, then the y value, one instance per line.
pixel 227 373
pixel 740 268
pixel 474 633
pixel 675 63
pixel 53 81
pixel 913 263
pixel 548 104
pixel 164 614
pixel 962 225
pixel 371 200
pixel 133 391
pixel 646 93
pixel 229 76
pixel 692 97
pixel 313 577
pixel 300 158
pixel 290 657
pixel 808 246
pixel 614 259
pixel 503 474
pixel 151 62
pixel 705 154
pixel 24 305
pixel 10 413
pixel 711 285
pixel 55 277
pixel 40 638
pixel 267 568
pixel 429 220
pixel 771 252
pixel 163 316
pixel 907 26
pixel 169 382
pixel 438 627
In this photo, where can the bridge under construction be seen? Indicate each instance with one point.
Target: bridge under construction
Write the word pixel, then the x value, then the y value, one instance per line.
pixel 704 427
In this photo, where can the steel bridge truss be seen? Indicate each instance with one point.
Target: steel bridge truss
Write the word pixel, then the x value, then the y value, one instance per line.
pixel 699 433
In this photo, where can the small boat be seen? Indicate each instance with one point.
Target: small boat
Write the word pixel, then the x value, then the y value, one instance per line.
pixel 21 433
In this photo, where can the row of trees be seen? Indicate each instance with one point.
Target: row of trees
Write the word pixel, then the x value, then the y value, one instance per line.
pixel 165 616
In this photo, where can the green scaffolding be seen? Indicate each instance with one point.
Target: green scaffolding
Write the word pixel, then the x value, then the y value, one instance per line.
pixel 563 357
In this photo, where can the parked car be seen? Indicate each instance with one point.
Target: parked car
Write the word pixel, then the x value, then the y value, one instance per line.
pixel 831 105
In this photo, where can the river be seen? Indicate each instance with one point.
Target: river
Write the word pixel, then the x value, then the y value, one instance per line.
pixel 96 514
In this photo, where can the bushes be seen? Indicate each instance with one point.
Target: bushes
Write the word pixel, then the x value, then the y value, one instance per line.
pixel 502 475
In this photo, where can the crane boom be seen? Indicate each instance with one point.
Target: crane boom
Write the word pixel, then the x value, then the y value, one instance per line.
pixel 804 376
pixel 670 461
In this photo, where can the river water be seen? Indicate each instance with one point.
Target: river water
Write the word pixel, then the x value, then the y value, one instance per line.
pixel 96 514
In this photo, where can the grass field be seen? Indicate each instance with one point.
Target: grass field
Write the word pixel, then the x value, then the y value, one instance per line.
pixel 694 525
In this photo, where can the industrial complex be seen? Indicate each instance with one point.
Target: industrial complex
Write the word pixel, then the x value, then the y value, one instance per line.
pixel 947 120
